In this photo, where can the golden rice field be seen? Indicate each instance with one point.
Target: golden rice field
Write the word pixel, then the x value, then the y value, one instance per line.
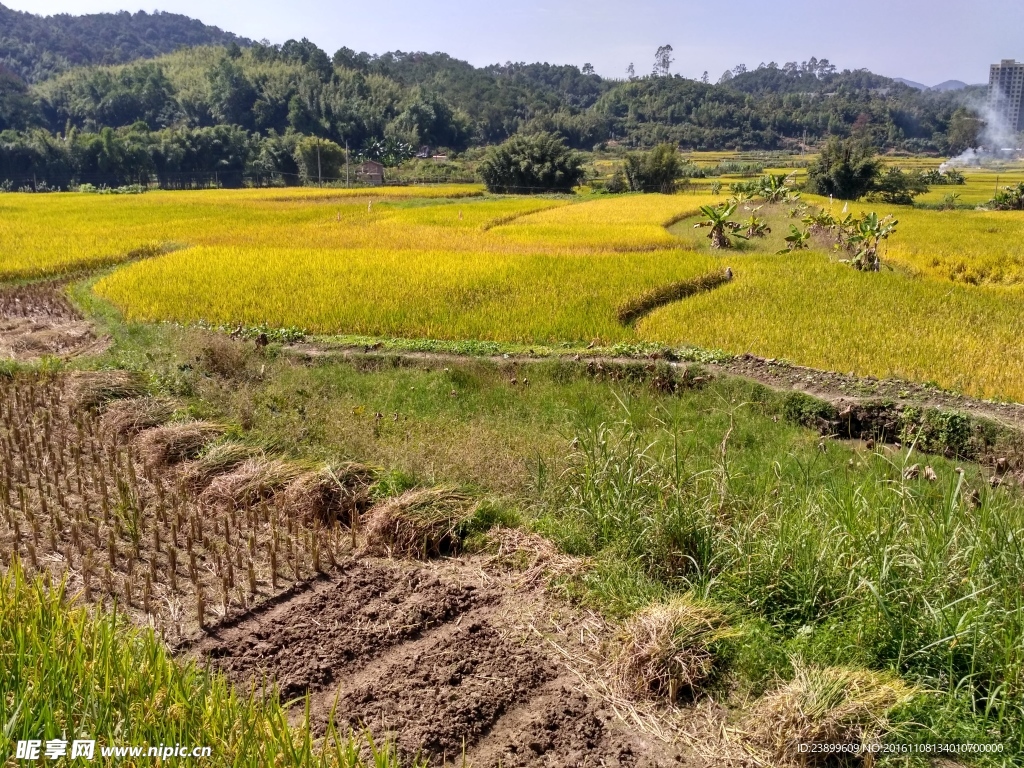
pixel 451 263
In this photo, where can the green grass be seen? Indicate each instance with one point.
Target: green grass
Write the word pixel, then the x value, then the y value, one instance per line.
pixel 71 674
pixel 829 554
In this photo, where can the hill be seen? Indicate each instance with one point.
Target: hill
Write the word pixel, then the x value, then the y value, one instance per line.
pixel 37 47
pixel 943 87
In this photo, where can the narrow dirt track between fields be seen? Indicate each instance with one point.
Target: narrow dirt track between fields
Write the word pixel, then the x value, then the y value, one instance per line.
pixel 834 387
pixel 449 659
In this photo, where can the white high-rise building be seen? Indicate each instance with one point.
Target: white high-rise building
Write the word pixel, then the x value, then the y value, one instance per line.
pixel 1006 93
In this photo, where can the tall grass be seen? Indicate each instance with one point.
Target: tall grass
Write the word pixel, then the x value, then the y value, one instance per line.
pixel 844 564
pixel 66 673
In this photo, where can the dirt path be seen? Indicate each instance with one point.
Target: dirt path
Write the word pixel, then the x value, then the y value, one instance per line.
pixel 448 659
pixel 37 320
pixel 837 388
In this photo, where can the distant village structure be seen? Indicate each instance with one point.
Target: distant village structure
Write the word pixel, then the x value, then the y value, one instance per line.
pixel 371 172
pixel 1006 93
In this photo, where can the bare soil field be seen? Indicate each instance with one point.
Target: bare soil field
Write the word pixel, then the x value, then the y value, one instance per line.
pixel 449 659
pixel 38 320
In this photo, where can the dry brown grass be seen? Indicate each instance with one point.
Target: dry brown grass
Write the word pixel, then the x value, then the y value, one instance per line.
pixel 421 523
pixel 823 706
pixel 667 649
pixel 250 482
pixel 533 556
pixel 91 390
pixel 174 443
pixel 337 493
pixel 131 416
pixel 221 458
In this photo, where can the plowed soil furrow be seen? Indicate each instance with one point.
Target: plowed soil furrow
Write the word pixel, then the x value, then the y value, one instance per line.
pixel 560 726
pixel 304 643
pixel 432 659
pixel 443 697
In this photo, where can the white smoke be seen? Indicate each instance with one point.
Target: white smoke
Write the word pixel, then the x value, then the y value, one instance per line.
pixel 998 141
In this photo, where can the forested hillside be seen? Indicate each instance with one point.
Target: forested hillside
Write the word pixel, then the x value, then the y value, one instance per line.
pixel 36 47
pixel 244 109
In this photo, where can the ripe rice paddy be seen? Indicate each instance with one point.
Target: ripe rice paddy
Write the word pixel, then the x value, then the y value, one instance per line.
pixel 452 263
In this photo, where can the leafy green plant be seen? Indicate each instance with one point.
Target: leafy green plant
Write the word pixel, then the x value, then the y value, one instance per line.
pixel 867 238
pixel 756 227
pixel 797 240
pixel 1008 199
pixel 719 220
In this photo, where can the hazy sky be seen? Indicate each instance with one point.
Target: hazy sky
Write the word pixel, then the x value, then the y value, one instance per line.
pixel 924 40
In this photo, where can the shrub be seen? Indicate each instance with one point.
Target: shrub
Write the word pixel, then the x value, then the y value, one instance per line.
pixel 531 164
pixel 656 171
pixel 846 169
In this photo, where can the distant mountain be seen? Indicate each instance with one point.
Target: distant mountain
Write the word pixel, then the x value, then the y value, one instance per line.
pixel 37 47
pixel 948 85
pixel 912 84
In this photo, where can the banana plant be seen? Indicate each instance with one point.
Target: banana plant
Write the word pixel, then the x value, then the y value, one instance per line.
pixel 870 233
pixel 719 220
pixel 775 188
pixel 756 227
pixel 820 221
pixel 797 239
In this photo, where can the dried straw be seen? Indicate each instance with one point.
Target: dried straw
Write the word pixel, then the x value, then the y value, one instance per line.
pixel 823 706
pixel 420 523
pixel 336 493
pixel 220 458
pixel 131 416
pixel 174 443
pixel 668 649
pixel 250 482
pixel 90 390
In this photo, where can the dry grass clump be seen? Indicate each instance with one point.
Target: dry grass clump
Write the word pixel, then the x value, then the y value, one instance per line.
pixel 220 458
pixel 530 554
pixel 668 649
pixel 174 443
pixel 421 523
pixel 332 494
pixel 131 416
pixel 90 390
pixel 824 706
pixel 250 482
pixel 224 356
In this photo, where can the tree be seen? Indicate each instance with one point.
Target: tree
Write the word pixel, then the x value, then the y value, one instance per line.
pixel 656 171
pixel 898 188
pixel 530 164
pixel 663 61
pixel 319 159
pixel 588 69
pixel 631 71
pixel 963 132
pixel 845 169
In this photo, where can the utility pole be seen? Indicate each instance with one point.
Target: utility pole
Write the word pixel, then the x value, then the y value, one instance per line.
pixel 319 175
pixel 346 164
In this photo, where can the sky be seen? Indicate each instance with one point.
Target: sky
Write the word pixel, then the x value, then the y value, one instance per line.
pixel 928 41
